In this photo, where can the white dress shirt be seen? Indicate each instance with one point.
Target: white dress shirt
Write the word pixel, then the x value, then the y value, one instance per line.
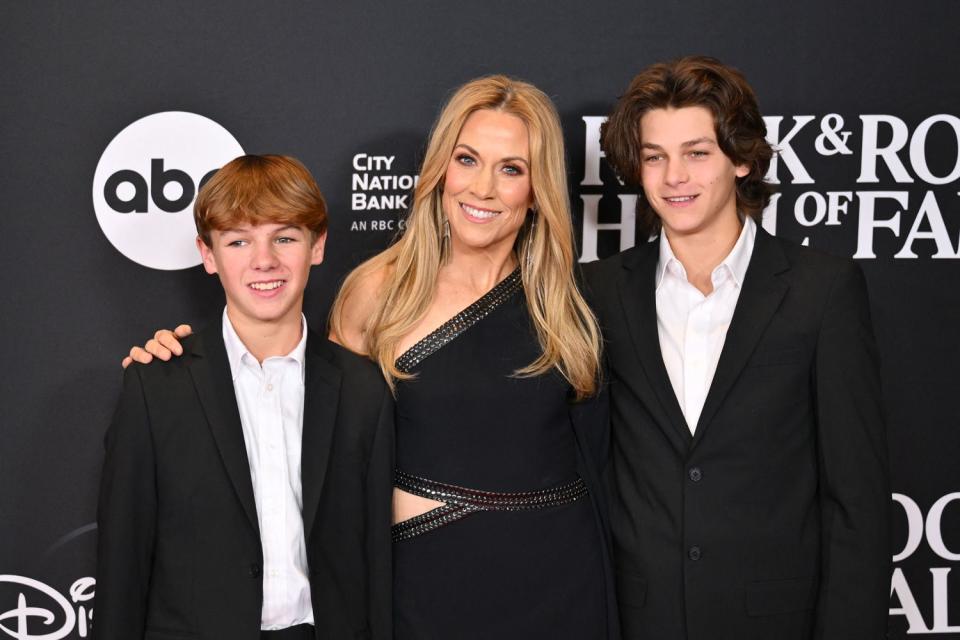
pixel 692 326
pixel 270 400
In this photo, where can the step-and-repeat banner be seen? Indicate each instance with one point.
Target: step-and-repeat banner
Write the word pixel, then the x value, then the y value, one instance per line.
pixel 112 116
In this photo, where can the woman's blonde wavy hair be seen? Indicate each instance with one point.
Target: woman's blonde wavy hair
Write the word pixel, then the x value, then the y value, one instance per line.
pixel 566 327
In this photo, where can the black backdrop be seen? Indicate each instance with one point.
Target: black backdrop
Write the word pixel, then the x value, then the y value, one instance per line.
pixel 870 171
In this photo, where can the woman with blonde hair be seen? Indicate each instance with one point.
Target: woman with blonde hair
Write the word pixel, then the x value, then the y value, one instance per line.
pixel 474 317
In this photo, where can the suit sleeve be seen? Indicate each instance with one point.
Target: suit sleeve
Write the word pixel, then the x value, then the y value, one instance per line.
pixel 379 500
pixel 126 517
pixel 591 422
pixel 595 411
pixel 854 484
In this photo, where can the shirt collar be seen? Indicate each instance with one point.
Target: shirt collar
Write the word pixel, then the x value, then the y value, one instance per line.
pixel 238 354
pixel 667 260
pixel 735 263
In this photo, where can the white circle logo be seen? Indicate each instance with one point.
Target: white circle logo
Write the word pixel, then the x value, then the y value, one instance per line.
pixel 146 182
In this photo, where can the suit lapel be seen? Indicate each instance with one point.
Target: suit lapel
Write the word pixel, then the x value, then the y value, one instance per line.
pixel 762 292
pixel 321 395
pixel 210 371
pixel 638 296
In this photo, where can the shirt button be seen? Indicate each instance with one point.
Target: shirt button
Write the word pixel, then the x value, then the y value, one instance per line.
pixel 269 387
pixel 274 573
pixel 694 553
pixel 695 474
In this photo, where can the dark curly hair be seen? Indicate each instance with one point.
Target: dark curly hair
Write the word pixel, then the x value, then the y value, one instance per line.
pixel 693 81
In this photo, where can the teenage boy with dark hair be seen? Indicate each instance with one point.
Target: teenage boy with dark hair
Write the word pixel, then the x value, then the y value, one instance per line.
pixel 750 497
pixel 246 487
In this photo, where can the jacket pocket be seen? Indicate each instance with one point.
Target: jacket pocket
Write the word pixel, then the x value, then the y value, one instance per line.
pixel 770 597
pixel 631 590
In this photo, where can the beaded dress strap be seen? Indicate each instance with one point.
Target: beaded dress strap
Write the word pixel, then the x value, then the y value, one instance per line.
pixel 459 323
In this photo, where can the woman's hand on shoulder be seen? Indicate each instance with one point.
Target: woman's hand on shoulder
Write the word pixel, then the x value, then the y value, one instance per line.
pixel 356 309
pixel 164 345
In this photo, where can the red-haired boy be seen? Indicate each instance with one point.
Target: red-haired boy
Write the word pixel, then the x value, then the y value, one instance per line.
pixel 246 488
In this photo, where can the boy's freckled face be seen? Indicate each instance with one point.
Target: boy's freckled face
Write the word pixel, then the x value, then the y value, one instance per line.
pixel 263 269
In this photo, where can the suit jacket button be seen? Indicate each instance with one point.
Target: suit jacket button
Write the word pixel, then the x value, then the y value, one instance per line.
pixel 695 474
pixel 694 553
pixel 255 571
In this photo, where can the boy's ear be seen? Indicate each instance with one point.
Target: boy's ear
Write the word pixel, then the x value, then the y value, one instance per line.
pixel 209 261
pixel 316 251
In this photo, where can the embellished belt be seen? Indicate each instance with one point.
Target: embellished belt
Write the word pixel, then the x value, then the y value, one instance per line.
pixel 461 502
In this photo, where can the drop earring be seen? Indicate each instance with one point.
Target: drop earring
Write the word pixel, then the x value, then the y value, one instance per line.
pixel 445 242
pixel 528 243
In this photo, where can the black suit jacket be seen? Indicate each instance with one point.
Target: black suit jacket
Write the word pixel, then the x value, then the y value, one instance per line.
pixel 179 553
pixel 772 522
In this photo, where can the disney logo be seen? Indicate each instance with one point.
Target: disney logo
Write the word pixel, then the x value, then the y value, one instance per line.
pixel 60 617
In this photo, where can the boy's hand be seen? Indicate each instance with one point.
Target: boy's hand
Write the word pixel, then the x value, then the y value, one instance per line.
pixel 164 345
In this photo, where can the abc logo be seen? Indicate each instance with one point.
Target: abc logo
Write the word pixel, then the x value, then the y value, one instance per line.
pixel 146 182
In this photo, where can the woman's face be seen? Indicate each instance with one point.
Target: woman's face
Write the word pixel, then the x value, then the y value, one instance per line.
pixel 486 190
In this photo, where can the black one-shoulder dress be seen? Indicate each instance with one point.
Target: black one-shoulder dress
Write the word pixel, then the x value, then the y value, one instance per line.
pixel 517 550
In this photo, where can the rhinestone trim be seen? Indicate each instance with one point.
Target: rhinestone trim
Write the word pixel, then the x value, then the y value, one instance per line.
pixel 461 502
pixel 459 323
